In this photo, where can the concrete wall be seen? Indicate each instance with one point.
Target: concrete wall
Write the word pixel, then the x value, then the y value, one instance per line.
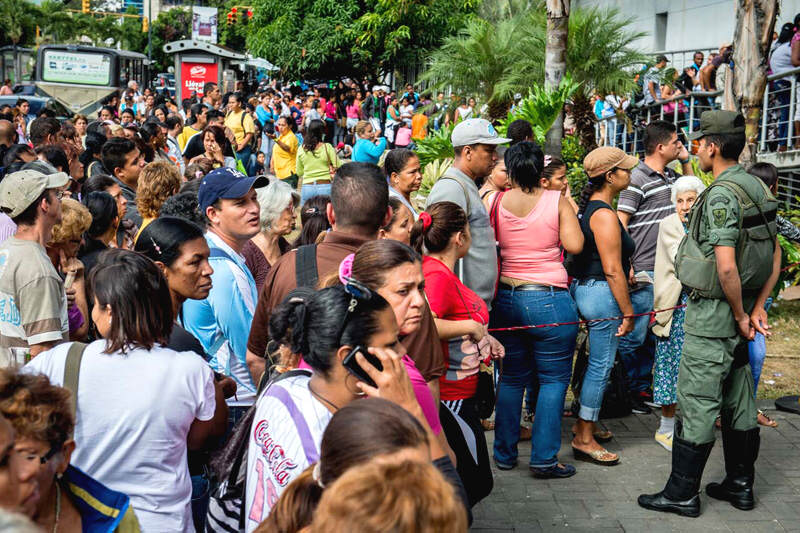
pixel 689 23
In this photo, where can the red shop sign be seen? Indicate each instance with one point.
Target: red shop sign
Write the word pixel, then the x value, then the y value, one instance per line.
pixel 195 75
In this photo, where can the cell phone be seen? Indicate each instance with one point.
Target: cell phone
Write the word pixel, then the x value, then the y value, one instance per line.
pixel 69 280
pixel 354 368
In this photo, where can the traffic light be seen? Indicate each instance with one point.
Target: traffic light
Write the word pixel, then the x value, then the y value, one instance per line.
pixel 85 7
pixel 145 24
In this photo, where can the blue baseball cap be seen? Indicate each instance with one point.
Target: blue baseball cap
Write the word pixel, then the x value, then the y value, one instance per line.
pixel 227 183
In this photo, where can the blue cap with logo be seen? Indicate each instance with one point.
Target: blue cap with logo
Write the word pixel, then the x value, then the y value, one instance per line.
pixel 226 183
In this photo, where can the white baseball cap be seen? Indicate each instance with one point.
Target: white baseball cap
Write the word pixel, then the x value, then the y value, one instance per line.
pixel 475 131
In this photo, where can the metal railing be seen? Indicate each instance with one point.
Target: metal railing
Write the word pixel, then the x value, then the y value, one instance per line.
pixel 625 130
pixel 681 59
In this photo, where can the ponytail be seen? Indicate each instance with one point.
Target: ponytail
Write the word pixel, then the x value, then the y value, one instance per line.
pixel 436 225
pixel 593 184
pixel 295 508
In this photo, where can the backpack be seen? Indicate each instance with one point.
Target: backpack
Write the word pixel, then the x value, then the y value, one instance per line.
pixel 229 468
pixel 697 270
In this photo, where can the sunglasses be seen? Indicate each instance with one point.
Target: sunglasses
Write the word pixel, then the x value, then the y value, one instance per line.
pixel 358 292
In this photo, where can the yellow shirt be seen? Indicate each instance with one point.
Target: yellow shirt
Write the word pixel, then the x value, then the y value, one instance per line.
pixel 284 163
pixel 184 136
pixel 240 127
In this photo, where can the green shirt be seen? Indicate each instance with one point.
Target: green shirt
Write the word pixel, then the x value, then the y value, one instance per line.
pixel 719 226
pixel 316 165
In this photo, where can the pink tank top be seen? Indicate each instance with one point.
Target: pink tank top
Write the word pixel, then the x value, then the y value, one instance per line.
pixel 529 246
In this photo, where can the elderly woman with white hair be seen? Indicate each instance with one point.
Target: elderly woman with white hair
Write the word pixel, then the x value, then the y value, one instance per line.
pixel 278 201
pixel 668 293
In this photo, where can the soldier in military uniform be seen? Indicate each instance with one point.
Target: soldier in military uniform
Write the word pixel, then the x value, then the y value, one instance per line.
pixel 729 261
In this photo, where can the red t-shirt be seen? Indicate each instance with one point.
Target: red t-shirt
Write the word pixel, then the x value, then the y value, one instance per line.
pixel 452 300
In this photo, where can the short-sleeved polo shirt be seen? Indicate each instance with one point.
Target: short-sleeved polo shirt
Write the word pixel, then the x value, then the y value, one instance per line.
pixel 648 200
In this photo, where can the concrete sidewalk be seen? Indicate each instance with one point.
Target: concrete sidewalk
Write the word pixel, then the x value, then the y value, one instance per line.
pixel 604 498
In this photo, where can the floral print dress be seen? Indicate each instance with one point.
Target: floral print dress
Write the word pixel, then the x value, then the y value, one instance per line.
pixel 668 358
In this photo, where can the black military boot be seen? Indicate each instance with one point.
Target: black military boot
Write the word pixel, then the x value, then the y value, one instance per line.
pixel 681 495
pixel 741 451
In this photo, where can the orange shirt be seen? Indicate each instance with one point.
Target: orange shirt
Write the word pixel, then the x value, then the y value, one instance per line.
pixel 418 124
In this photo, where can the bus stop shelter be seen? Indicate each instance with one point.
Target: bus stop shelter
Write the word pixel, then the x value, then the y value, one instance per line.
pixel 200 62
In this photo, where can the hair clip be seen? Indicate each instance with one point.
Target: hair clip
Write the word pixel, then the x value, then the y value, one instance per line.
pixel 547 160
pixel 198 174
pixel 313 211
pixel 426 219
pixel 346 269
pixel 316 475
pixel 155 246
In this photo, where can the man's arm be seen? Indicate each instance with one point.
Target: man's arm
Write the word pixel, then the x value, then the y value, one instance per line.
pixel 36 349
pixel 728 274
pixel 624 217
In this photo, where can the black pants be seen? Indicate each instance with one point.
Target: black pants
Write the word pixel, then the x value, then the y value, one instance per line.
pixel 464 433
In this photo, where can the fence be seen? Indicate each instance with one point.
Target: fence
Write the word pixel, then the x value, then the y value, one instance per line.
pixel 778 137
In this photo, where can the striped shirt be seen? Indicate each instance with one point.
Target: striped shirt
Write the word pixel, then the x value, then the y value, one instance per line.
pixel 648 200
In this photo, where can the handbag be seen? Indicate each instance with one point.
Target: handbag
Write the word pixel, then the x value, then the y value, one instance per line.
pixel 616 400
pixel 485 393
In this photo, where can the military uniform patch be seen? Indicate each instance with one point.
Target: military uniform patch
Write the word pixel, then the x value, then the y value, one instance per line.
pixel 720 214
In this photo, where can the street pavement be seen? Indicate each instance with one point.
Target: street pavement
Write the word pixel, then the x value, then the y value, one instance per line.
pixel 600 499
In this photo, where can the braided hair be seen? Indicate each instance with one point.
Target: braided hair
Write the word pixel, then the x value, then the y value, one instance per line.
pixel 593 184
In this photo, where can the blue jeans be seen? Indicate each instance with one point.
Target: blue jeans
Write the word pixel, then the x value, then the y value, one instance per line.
pixel 638 355
pixel 595 300
pixel 201 492
pixel 546 351
pixel 310 190
pixel 244 157
pixel 757 349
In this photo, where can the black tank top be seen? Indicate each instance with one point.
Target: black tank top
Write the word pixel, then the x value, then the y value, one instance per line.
pixel 587 264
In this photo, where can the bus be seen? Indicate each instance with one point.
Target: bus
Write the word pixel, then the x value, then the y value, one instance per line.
pixel 81 77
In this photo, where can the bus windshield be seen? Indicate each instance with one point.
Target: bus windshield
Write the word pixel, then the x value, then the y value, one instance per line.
pixel 78 67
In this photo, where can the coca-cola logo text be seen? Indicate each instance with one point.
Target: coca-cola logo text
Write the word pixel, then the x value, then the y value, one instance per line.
pixel 279 464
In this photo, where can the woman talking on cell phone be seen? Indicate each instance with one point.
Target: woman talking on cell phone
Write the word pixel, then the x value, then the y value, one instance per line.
pixel 293 412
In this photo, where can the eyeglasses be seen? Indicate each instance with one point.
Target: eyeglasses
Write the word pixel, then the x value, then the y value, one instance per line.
pixel 59 194
pixel 41 459
pixel 357 291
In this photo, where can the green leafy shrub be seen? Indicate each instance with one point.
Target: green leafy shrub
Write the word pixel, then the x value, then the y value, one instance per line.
pixel 541 107
pixel 435 146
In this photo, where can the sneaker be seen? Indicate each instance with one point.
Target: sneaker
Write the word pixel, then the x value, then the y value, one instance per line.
pixel 647 398
pixel 638 406
pixel 665 440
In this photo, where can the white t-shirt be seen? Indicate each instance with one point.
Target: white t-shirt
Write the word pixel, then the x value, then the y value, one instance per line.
pixel 285 438
pixel 134 414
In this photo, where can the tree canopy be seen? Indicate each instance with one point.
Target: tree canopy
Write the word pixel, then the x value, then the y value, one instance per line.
pixel 351 38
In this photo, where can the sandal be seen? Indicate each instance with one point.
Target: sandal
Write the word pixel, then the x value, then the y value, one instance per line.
pixel 487 425
pixel 601 436
pixel 596 456
pixel 765 420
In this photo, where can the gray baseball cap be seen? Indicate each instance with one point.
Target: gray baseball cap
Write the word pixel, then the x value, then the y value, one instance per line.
pixel 475 131
pixel 20 189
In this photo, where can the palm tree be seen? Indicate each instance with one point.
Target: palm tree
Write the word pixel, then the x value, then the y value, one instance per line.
pixel 555 64
pixel 491 59
pixel 599 54
pixel 500 58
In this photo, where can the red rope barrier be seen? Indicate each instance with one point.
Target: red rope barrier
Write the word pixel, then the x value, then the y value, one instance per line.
pixel 651 313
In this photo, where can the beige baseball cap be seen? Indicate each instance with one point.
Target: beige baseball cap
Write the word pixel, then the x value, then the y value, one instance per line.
pixel 601 160
pixel 20 189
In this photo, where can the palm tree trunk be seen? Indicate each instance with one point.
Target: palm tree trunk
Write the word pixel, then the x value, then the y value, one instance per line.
pixel 755 20
pixel 555 65
pixel 583 113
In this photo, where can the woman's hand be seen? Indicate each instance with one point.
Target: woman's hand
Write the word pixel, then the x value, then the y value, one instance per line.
pixel 626 327
pixel 477 331
pixel 228 386
pixel 392 382
pixel 498 350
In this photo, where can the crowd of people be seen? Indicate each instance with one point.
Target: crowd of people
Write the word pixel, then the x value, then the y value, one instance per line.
pixel 170 361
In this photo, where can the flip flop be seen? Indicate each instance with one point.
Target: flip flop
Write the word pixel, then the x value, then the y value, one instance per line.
pixel 595 457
